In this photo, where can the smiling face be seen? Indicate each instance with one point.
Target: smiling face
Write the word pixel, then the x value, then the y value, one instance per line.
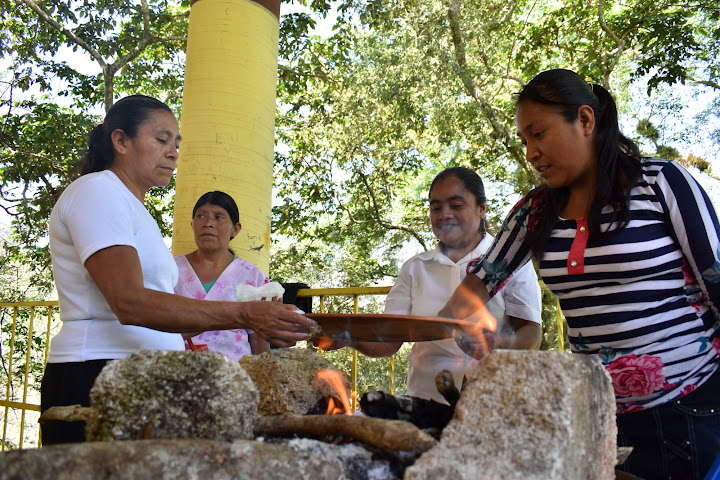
pixel 213 228
pixel 149 158
pixel 561 151
pixel 455 217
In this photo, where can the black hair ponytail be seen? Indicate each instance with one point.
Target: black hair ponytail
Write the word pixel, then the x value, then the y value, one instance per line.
pixel 126 115
pixel 99 155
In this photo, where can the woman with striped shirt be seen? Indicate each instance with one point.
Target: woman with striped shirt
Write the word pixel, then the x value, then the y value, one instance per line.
pixel 630 246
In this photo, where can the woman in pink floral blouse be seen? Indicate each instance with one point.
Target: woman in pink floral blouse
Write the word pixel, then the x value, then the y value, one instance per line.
pixel 213 272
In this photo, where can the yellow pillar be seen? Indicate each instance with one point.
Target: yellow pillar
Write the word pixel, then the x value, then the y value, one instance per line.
pixel 228 119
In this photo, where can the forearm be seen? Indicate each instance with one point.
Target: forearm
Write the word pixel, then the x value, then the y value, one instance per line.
pixel 118 275
pixel 258 344
pixel 468 297
pixel 526 337
pixel 173 313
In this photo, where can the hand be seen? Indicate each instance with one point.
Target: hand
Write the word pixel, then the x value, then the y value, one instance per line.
pixel 278 323
pixel 477 346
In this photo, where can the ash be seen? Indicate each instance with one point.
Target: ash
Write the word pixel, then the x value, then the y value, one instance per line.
pixel 358 461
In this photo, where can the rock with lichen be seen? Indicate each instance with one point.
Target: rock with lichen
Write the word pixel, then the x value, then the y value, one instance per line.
pixel 156 394
pixel 528 415
pixel 288 381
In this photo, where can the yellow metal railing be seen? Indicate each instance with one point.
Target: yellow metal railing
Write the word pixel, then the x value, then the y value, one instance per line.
pixel 27 325
pixel 355 293
pixel 24 338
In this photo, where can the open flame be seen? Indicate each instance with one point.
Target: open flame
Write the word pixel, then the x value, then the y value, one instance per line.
pixel 333 387
pixel 478 338
pixel 323 343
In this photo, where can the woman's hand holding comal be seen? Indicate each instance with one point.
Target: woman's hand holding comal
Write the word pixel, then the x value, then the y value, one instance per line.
pixel 278 323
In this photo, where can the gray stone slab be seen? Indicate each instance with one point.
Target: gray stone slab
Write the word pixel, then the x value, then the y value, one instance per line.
pixel 528 415
pixel 191 460
pixel 287 380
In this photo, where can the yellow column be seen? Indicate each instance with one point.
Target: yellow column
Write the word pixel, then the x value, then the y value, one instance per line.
pixel 228 119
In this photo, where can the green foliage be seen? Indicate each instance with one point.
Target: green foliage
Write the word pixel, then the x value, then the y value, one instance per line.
pixel 697 162
pixel 664 151
pixel 43 136
pixel 368 115
pixel 646 129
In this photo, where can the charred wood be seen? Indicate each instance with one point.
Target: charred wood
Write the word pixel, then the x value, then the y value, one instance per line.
pixel 423 413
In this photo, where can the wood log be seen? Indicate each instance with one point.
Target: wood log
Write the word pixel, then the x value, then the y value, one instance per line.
pixel 388 434
pixel 69 413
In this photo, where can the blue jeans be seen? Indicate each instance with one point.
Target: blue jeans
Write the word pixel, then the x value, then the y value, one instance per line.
pixel 678 440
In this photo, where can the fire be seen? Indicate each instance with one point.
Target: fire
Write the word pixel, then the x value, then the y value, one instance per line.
pixel 323 343
pixel 479 338
pixel 331 383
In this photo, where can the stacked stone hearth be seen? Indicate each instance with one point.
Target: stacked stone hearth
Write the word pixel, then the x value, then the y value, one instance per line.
pixel 167 415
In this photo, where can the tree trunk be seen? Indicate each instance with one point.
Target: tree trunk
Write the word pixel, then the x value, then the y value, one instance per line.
pixel 228 119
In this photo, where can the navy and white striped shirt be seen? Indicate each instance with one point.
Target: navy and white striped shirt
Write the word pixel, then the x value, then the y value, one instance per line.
pixel 643 300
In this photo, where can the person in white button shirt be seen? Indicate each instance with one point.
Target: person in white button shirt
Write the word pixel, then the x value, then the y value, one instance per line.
pixel 427 280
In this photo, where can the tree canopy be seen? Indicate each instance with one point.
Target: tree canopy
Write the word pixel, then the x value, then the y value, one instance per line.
pixel 367 113
pixel 420 86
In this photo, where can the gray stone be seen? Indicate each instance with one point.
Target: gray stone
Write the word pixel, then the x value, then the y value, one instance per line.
pixel 287 380
pixel 191 459
pixel 173 395
pixel 528 415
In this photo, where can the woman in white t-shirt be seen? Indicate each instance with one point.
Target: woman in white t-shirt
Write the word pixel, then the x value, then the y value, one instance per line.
pixel 427 280
pixel 113 273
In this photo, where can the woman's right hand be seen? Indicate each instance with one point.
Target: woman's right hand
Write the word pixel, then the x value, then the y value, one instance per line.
pixel 278 323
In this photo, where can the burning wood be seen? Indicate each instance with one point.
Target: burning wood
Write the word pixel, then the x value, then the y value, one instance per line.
pixel 420 412
pixel 388 434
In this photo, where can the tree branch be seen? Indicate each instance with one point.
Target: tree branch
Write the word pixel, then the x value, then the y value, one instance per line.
pixel 461 69
pixel 69 34
pixel 707 83
pixel 109 71
pixel 302 74
pixel 619 41
pixel 492 25
pixel 172 38
pixel 385 434
pixel 380 221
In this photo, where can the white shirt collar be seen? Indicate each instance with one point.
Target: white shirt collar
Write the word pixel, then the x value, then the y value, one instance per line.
pixel 437 254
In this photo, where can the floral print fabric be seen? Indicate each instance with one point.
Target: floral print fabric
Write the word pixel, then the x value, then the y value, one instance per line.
pixel 233 343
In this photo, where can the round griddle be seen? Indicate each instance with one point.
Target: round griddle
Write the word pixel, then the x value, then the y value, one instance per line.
pixel 387 327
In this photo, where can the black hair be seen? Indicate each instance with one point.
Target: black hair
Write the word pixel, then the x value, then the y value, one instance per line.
pixel 222 200
pixel 472 183
pixel 127 114
pixel 618 158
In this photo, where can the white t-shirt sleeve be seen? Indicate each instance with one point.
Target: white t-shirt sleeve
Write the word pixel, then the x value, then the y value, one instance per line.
pixel 399 299
pixel 96 220
pixel 522 295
